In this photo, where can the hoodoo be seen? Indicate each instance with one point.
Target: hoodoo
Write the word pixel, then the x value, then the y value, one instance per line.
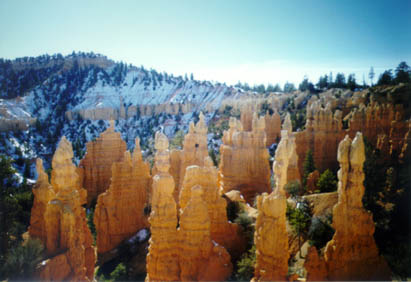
pixel 162 258
pixel 271 238
pixel 200 258
pixel 352 253
pixel 222 231
pixel 95 167
pixel 68 239
pixel 119 212
pixel 193 153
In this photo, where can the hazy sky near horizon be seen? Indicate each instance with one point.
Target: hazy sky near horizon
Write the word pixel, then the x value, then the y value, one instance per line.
pixel 222 40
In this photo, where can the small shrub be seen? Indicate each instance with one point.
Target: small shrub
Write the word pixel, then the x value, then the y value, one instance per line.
pixel 245 266
pixel 246 222
pixel 293 188
pixel 21 261
pixel 119 273
pixel 327 182
pixel 177 141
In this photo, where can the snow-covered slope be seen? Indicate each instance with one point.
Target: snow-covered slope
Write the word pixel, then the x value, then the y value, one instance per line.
pixel 44 89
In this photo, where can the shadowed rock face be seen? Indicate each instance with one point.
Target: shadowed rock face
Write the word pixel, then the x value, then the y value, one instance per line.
pixel 67 237
pixel 352 253
pixel 315 266
pixel 271 236
pixel 119 211
pixel 244 162
pixel 95 167
pixel 221 231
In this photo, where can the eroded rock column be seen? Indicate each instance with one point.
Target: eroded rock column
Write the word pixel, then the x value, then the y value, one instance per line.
pixel 162 259
pixel 68 238
pixel 200 258
pixel 222 231
pixel 352 253
pixel 271 236
pixel 119 212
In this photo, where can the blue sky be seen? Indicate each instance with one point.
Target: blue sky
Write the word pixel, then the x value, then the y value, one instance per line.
pixel 251 41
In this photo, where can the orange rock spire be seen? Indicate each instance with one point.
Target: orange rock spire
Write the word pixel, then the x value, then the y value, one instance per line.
pixel 162 258
pixel 193 153
pixel 200 259
pixel 120 210
pixel 271 238
pixel 68 238
pixel 272 127
pixel 43 194
pixel 95 167
pixel 352 253
pixel 222 232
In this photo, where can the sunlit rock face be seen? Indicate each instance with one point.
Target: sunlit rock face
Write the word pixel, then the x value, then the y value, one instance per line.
pixel 95 167
pixel 352 253
pixel 187 253
pixel 163 256
pixel 200 258
pixel 67 238
pixel 244 164
pixel 193 153
pixel 43 193
pixel 272 127
pixel 221 231
pixel 323 131
pixel 271 238
pixel 119 212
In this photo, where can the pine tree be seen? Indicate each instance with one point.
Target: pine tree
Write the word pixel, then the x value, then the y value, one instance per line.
pixel 371 75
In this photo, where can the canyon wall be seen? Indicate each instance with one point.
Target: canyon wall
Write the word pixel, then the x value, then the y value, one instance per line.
pixel 272 128
pixel 323 131
pixel 244 164
pixel 131 111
